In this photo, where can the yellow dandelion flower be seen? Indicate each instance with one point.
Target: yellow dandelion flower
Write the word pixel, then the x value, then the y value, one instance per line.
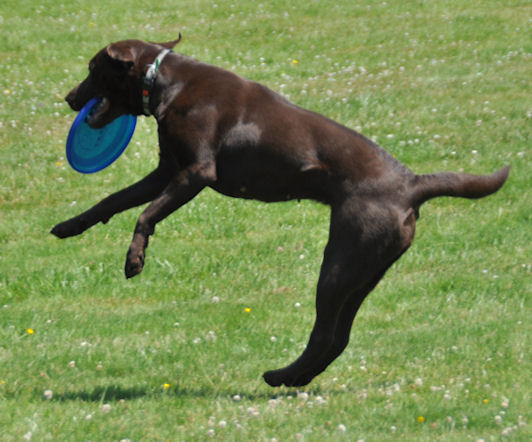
pixel 166 386
pixel 420 419
pixel 30 331
pixel 294 62
pixel 486 401
pixel 247 310
pixel 3 382
pixel 59 163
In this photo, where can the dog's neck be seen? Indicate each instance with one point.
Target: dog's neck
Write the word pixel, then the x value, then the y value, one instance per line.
pixel 148 81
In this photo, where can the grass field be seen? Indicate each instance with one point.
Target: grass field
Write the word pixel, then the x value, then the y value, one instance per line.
pixel 439 351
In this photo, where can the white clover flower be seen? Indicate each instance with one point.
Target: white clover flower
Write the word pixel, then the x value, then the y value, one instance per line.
pixel 320 401
pixel 506 432
pixel 303 396
pixel 253 411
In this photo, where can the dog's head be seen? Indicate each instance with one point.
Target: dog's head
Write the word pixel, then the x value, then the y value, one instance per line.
pixel 115 75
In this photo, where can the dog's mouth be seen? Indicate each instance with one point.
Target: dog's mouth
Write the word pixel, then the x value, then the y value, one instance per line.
pixel 96 117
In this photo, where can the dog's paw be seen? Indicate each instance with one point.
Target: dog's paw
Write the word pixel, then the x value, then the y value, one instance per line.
pixel 272 378
pixel 134 263
pixel 276 378
pixel 72 227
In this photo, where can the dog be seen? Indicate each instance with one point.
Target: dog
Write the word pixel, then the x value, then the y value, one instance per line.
pixel 219 130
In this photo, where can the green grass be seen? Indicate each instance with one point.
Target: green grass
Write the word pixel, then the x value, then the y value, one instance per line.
pixel 173 354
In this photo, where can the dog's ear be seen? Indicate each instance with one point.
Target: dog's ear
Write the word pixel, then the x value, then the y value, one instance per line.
pixel 122 54
pixel 171 44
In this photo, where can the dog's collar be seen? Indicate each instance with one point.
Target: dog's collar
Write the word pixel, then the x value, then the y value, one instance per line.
pixel 149 80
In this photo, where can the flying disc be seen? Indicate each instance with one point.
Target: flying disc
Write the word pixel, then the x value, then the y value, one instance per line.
pixel 90 150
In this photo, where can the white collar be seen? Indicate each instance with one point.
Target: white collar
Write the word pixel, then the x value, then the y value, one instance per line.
pixel 149 80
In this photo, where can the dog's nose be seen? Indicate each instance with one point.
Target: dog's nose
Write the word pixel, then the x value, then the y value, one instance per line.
pixel 71 99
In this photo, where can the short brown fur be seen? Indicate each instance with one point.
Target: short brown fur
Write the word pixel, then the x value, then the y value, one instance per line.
pixel 238 137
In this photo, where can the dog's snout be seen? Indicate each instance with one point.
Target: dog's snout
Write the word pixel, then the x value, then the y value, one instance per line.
pixel 71 98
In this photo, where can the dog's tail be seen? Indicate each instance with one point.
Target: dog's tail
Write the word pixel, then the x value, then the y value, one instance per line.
pixel 462 185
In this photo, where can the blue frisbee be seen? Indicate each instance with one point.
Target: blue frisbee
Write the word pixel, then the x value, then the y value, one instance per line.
pixel 90 150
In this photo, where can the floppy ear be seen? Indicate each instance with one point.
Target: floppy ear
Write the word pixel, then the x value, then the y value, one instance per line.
pixel 170 44
pixel 122 53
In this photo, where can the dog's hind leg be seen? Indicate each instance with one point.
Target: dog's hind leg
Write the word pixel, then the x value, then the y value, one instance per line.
pixel 406 230
pixel 336 293
pixel 358 254
pixel 343 329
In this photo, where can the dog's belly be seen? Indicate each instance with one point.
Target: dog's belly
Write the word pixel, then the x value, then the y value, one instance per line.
pixel 269 178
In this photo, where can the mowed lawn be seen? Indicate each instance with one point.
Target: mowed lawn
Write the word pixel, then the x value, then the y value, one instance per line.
pixel 440 350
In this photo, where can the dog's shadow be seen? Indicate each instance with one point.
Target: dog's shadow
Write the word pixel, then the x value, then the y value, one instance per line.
pixel 115 393
pixel 111 393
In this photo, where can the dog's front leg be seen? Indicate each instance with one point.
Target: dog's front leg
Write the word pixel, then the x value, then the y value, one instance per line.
pixel 139 193
pixel 185 186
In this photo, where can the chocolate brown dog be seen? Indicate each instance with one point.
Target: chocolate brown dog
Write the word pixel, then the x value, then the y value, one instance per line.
pixel 222 131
